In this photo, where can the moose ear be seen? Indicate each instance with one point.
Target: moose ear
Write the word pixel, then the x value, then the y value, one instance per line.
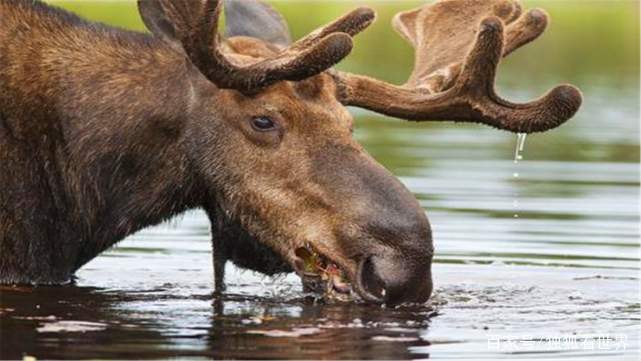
pixel 256 19
pixel 168 19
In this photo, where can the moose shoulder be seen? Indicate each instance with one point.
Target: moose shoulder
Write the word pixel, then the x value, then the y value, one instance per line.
pixel 104 132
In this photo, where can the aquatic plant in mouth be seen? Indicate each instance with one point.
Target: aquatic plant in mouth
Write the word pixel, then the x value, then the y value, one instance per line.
pixel 320 275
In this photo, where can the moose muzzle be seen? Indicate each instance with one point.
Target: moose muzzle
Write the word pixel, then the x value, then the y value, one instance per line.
pixel 383 230
pixel 394 279
pixel 397 266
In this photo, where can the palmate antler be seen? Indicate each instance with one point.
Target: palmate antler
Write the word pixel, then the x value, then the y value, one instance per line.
pixel 192 26
pixel 459 44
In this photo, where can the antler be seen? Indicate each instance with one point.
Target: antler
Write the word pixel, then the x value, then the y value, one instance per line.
pixel 193 27
pixel 459 44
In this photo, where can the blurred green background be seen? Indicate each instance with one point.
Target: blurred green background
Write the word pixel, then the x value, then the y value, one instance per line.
pixel 592 44
pixel 594 37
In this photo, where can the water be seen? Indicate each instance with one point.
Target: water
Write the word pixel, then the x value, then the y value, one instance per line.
pixel 518 155
pixel 567 269
pixel 518 150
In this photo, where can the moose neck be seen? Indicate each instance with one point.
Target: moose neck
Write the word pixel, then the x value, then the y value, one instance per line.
pixel 94 118
pixel 128 164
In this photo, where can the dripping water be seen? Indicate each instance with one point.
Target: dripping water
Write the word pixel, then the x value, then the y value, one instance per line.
pixel 518 155
pixel 520 145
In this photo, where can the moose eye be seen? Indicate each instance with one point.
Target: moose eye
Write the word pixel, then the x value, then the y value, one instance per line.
pixel 263 124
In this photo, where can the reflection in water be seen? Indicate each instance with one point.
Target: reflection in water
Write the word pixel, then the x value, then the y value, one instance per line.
pixel 353 331
pixel 568 265
pixel 53 323
pixel 28 311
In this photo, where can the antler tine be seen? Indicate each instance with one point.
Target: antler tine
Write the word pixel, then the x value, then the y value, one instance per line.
pixel 525 29
pixel 520 31
pixel 302 63
pixel 476 87
pixel 352 23
pixel 464 89
pixel 192 26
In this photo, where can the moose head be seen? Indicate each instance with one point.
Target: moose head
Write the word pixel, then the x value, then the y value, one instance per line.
pixel 270 133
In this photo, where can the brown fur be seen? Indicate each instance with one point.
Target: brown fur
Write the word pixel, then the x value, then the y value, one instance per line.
pixel 83 141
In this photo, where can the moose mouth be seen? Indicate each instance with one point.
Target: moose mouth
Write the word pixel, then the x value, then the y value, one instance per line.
pixel 321 275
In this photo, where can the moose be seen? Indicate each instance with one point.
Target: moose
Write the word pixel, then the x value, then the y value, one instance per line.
pixel 105 131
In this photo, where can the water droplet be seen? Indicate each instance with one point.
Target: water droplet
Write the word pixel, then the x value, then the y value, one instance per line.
pixel 520 146
pixel 522 137
pixel 518 155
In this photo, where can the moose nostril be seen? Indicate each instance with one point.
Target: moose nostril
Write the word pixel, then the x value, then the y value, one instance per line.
pixel 370 280
pixel 393 280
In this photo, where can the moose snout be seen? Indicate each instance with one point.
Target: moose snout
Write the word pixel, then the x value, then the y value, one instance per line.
pixel 394 279
pixel 382 225
pixel 398 266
